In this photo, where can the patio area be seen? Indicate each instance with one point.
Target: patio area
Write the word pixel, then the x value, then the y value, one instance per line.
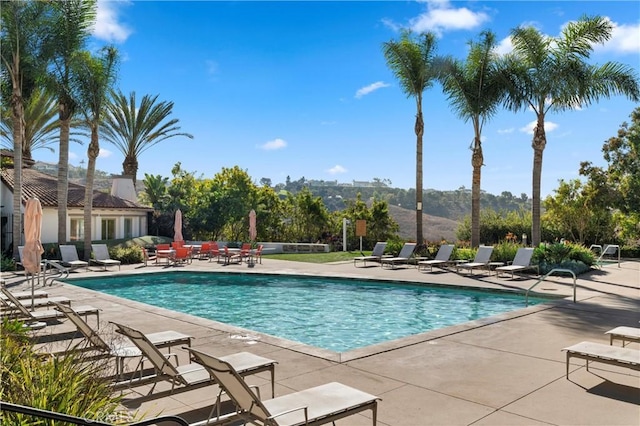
pixel 505 370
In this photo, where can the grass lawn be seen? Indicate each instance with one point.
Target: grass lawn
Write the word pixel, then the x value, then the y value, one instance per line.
pixel 336 256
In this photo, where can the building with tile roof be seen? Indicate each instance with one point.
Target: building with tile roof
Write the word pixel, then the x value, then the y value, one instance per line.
pixel 113 216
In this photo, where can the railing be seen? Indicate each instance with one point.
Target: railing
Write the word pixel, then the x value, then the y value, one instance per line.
pixel 61 271
pixel 609 250
pixel 567 271
pixel 44 414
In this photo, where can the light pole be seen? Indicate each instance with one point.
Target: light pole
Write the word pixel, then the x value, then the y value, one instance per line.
pixel 345 222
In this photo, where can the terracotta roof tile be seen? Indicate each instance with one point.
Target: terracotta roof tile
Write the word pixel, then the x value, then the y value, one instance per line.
pixel 45 188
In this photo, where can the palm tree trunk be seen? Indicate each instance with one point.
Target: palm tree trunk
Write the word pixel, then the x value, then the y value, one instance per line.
pixel 419 129
pixel 130 167
pixel 18 139
pixel 92 155
pixel 63 171
pixel 538 144
pixel 477 160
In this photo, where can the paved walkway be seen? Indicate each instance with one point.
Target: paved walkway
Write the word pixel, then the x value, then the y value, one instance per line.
pixel 506 370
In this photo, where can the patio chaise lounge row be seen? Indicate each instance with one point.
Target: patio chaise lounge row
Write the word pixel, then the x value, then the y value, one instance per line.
pixel 482 260
pixel 318 405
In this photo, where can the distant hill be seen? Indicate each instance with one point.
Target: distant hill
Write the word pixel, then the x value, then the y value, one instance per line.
pixel 442 209
pixel 434 228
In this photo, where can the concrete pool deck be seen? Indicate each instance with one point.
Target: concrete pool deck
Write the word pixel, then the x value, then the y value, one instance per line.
pixel 506 370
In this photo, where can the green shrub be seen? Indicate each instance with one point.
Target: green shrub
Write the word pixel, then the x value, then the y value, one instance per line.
pixel 127 255
pixel 464 253
pixel 7 263
pixel 394 245
pixel 504 251
pixel 575 257
pixel 67 384
pixel 629 251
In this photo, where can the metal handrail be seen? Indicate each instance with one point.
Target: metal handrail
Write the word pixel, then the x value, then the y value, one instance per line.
pixel 51 415
pixel 605 252
pixel 62 272
pixel 549 273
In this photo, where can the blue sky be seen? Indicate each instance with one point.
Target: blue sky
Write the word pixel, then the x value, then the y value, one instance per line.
pixel 302 89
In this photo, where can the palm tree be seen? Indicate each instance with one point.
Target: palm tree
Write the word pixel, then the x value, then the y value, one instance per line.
pixel 41 125
pixel 21 62
pixel 412 61
pixel 550 74
pixel 475 90
pixel 73 20
pixel 134 129
pixel 94 77
pixel 155 191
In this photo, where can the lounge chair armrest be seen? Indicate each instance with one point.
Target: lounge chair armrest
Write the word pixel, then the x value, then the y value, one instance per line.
pixel 257 389
pixel 305 408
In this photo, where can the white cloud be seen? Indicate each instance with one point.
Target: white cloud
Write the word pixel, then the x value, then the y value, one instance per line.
pixel 505 131
pixel 104 153
pixel 273 145
pixel 328 123
pixel 107 26
pixel 440 16
pixel 624 39
pixel 337 169
pixel 370 88
pixel 549 126
pixel 73 156
pixel 505 46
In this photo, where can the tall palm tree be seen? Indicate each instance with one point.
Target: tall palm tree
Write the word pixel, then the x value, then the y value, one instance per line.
pixel 41 125
pixel 21 62
pixel 551 74
pixel 94 77
pixel 475 91
pixel 73 20
pixel 133 129
pixel 412 61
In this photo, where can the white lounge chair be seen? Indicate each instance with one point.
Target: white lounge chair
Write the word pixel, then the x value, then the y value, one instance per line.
pixel 319 405
pixel 481 261
pixel 101 254
pixel 47 314
pixel 606 354
pixel 442 258
pixel 186 377
pixel 521 262
pixel 403 257
pixel 376 254
pixel 120 350
pixel 70 259
pixel 38 300
pixel 625 334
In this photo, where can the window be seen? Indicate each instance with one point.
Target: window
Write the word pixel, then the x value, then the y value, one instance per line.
pixel 76 231
pixel 128 227
pixel 108 229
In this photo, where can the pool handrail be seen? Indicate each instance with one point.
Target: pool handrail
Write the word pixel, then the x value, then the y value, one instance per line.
pixel 549 273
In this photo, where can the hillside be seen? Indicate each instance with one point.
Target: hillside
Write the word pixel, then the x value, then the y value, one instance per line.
pixel 435 228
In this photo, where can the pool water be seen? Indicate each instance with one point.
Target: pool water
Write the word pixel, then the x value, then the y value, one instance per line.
pixel 330 313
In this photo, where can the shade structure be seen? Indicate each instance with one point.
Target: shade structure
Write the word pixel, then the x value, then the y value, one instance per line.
pixel 253 231
pixel 177 227
pixel 32 251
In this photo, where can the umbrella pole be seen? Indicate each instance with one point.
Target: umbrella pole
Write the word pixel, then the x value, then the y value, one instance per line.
pixel 33 284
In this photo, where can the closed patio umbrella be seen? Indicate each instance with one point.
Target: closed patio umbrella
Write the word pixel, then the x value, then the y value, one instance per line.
pixel 177 227
pixel 32 252
pixel 253 231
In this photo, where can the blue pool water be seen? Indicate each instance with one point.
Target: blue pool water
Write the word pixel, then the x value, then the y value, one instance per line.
pixel 330 313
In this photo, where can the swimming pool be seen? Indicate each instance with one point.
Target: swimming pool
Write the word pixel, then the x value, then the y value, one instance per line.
pixel 331 313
